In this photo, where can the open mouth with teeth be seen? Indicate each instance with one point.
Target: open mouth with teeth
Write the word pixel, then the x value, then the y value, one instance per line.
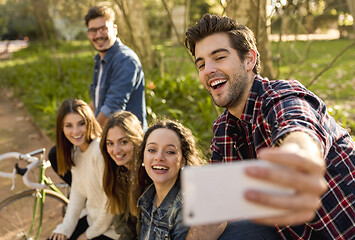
pixel 218 83
pixel 119 156
pixel 77 137
pixel 160 168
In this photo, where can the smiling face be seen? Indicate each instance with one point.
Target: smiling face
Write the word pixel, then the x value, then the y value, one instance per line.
pixel 119 146
pixel 102 34
pixel 75 130
pixel 163 157
pixel 221 71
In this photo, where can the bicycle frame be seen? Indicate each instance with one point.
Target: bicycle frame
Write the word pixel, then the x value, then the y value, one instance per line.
pixel 40 198
pixel 38 186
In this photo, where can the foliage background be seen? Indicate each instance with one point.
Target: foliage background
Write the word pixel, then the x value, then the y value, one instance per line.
pixel 52 69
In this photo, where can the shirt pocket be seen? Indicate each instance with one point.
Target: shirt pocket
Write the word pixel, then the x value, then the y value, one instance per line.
pixel 161 234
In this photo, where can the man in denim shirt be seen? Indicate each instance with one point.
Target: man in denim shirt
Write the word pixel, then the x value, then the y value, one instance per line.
pixel 118 81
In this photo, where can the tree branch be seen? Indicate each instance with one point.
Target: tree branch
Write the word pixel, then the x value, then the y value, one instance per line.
pixel 175 30
pixel 331 63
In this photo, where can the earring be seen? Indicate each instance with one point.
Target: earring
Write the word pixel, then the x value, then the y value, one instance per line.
pixel 142 164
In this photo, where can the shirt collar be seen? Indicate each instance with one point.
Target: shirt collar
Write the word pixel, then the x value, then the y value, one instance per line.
pixel 147 197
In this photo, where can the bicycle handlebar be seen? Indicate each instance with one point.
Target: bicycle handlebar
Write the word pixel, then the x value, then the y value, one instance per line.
pixel 33 162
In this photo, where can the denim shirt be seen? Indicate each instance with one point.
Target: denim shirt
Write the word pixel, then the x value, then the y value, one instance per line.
pixel 165 222
pixel 122 83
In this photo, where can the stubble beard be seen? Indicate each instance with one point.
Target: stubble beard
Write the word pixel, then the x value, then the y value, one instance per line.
pixel 238 84
pixel 104 50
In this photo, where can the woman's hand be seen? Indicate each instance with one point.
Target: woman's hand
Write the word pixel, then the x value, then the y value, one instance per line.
pixel 58 236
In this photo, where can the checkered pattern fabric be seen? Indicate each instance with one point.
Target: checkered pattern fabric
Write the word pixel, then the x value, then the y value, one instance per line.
pixel 274 109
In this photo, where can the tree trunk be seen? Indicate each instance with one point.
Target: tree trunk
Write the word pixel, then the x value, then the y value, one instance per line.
pixel 253 15
pixel 351 5
pixel 133 29
pixel 44 21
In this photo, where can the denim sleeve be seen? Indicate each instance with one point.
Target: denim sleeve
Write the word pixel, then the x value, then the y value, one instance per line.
pixel 123 77
pixel 180 230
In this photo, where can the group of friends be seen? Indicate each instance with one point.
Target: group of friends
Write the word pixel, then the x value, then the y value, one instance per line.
pixel 125 176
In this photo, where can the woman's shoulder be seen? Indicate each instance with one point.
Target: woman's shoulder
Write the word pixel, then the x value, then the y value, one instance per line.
pixel 94 146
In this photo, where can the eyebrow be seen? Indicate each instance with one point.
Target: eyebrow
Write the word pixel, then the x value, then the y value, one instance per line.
pixel 96 28
pixel 169 145
pixel 107 139
pixel 212 53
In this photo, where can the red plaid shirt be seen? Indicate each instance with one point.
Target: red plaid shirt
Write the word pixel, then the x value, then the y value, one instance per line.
pixel 274 109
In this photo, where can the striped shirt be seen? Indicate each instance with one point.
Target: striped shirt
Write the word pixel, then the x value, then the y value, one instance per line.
pixel 274 109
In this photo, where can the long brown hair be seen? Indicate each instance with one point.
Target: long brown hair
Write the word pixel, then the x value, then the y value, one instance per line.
pixel 190 152
pixel 116 180
pixel 65 159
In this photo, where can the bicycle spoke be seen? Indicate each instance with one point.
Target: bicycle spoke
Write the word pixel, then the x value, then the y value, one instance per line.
pixel 16 215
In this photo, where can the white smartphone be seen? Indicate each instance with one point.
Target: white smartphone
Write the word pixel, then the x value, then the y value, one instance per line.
pixel 215 193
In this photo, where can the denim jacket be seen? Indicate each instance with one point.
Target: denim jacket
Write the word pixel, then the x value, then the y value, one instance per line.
pixel 122 83
pixel 165 222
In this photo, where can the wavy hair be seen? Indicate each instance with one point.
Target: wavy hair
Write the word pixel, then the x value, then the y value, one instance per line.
pixel 241 37
pixel 117 179
pixel 190 152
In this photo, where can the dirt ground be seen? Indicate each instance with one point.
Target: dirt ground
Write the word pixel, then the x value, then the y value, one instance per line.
pixel 18 133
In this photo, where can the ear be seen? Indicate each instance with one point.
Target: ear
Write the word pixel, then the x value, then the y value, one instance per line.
pixel 183 162
pixel 250 60
pixel 115 29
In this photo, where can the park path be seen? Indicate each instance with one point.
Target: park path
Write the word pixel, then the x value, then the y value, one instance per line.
pixel 18 133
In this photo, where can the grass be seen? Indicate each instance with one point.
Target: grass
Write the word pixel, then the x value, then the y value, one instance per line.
pixel 43 75
pixel 335 86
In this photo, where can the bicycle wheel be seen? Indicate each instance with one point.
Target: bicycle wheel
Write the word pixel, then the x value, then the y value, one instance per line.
pixel 16 214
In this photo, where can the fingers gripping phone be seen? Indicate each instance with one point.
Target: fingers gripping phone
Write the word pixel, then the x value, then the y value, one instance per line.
pixel 215 193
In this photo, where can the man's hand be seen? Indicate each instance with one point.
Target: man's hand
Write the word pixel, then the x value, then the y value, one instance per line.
pixel 58 236
pixel 303 170
pixel 91 105
pixel 82 237
pixel 102 119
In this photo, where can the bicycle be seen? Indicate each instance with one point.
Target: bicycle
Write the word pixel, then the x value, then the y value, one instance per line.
pixel 34 213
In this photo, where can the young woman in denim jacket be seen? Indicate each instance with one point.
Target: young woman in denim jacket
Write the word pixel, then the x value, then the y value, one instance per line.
pixel 120 140
pixel 167 146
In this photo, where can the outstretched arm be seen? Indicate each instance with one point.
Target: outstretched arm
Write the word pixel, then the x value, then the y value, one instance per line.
pixel 303 171
pixel 206 232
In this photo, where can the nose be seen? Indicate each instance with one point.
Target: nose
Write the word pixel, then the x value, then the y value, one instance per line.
pixel 210 67
pixel 116 149
pixel 76 129
pixel 99 33
pixel 159 156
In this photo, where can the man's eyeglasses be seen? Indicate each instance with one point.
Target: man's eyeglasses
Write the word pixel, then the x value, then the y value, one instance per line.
pixel 93 31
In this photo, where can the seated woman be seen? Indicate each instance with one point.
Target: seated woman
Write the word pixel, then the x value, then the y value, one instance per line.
pixel 120 140
pixel 167 147
pixel 78 150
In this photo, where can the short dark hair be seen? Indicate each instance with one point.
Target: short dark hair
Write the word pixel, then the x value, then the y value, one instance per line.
pixel 241 37
pixel 100 11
